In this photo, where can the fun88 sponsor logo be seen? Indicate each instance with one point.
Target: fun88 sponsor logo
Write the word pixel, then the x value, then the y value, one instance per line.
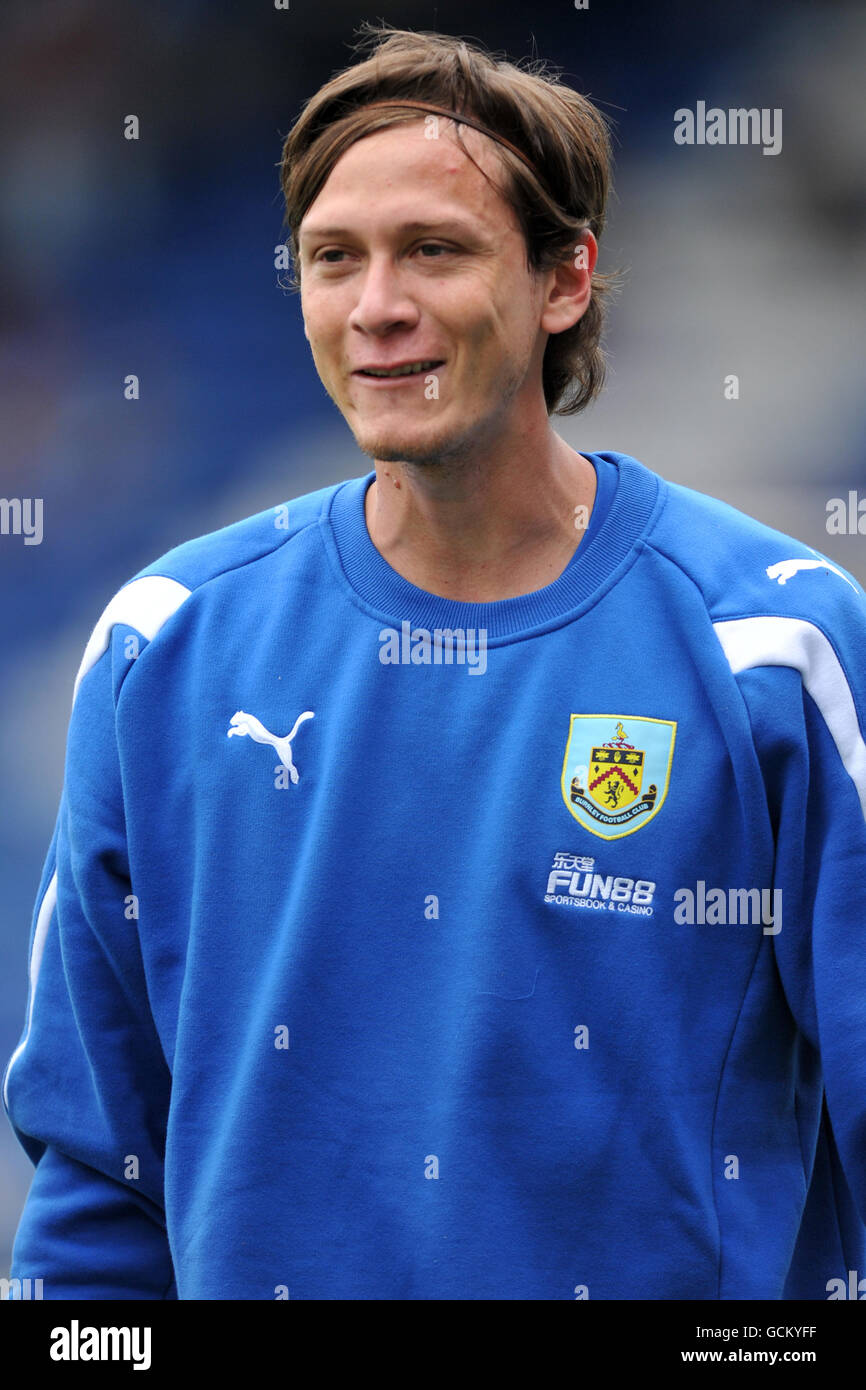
pixel 573 881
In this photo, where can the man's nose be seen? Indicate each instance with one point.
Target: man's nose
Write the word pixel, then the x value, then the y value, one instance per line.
pixel 383 300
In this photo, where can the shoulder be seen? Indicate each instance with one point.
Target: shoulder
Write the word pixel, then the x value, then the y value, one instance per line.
pixel 743 566
pixel 155 593
pixel 772 602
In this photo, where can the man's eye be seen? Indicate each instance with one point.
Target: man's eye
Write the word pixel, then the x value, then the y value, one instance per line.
pixel 332 255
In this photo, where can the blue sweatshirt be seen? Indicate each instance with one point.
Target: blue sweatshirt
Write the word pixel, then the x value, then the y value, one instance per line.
pixel 393 947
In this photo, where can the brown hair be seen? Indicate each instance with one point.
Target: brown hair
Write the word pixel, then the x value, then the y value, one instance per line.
pixel 562 134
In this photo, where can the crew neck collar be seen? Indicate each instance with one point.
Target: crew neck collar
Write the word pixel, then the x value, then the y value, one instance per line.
pixel 388 596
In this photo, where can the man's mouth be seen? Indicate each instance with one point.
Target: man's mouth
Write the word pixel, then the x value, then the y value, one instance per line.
pixel 403 369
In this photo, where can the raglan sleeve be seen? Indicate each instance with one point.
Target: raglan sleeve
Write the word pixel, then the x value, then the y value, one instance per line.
pixel 804 681
pixel 87 1088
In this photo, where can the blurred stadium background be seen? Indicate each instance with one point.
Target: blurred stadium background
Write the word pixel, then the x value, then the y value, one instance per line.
pixel 157 257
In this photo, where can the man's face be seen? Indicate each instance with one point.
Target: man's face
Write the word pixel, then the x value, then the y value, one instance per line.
pixel 408 255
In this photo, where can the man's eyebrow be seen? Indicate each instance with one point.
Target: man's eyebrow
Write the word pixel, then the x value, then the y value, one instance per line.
pixel 446 225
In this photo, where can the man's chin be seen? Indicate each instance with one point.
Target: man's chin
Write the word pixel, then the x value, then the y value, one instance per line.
pixel 392 447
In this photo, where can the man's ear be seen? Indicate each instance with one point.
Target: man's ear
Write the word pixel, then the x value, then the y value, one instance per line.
pixel 569 286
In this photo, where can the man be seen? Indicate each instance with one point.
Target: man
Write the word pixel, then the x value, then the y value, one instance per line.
pixel 449 900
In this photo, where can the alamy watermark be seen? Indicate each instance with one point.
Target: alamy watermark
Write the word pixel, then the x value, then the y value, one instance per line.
pixel 418 646
pixel 737 126
pixel 77 1343
pixel 22 516
pixel 854 1288
pixel 20 1290
pixel 847 518
pixel 737 906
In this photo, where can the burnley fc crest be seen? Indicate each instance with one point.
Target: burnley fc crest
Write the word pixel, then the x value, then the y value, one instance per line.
pixel 616 771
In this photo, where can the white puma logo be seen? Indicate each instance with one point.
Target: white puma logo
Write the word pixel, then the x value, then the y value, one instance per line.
pixel 786 569
pixel 244 723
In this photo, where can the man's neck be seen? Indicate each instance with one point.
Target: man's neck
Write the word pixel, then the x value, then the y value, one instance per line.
pixel 477 533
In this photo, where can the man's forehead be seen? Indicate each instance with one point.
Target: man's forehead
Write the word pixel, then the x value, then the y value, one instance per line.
pixel 387 160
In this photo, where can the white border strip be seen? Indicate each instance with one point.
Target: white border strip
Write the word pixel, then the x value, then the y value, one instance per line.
pixel 46 912
pixel 750 642
pixel 144 604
